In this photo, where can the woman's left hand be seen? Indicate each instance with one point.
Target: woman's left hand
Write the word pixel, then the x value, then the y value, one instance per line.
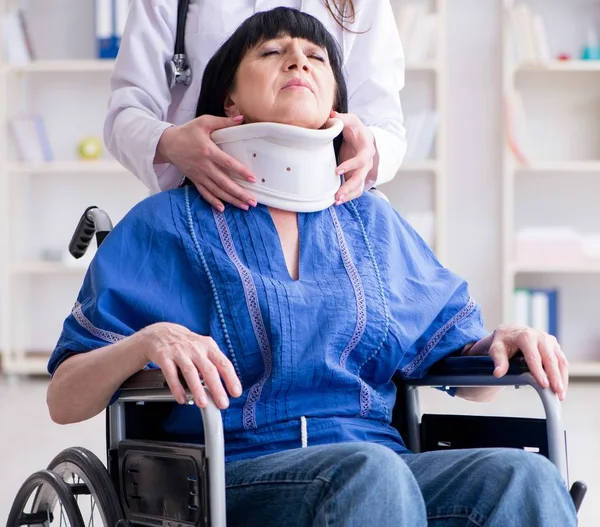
pixel 543 354
pixel 357 156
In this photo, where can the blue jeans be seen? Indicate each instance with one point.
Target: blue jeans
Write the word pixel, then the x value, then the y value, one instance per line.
pixel 364 484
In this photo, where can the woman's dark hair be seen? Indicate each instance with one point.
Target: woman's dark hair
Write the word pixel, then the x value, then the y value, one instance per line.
pixel 219 76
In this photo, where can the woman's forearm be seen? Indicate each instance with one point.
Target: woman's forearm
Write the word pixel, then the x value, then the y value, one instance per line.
pixel 83 384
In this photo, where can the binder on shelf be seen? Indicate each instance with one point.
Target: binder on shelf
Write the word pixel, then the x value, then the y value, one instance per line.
pixel 529 34
pixel 16 42
pixel 106 45
pixel 30 139
pixel 522 307
pixel 421 131
pixel 537 308
pixel 517 131
pixel 418 29
pixel 121 10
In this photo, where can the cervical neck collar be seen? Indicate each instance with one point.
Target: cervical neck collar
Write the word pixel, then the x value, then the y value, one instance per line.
pixel 294 166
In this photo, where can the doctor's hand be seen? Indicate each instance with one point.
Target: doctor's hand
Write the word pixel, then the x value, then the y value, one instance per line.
pixel 175 349
pixel 357 156
pixel 543 354
pixel 190 148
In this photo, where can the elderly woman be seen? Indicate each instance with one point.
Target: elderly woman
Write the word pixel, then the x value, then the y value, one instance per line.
pixel 303 318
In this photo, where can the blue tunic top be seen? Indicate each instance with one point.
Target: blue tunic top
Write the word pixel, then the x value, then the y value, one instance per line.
pixel 371 300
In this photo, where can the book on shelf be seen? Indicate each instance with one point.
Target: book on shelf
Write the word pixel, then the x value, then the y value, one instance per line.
pixel 421 131
pixel 121 13
pixel 16 39
pixel 557 246
pixel 529 36
pixel 30 139
pixel 418 29
pixel 516 129
pixel 111 16
pixel 537 308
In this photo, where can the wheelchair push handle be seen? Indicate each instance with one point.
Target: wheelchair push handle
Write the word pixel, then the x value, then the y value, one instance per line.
pixel 93 221
pixel 578 491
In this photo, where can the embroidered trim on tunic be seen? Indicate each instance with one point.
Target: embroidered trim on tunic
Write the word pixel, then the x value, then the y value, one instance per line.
pixel 366 393
pixel 361 309
pixel 249 412
pixel 359 292
pixel 438 335
pixel 84 322
pixel 211 282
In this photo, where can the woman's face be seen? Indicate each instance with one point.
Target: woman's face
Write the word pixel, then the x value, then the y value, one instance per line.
pixel 285 80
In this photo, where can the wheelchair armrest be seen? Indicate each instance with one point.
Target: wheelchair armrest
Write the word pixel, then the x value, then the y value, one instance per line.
pixel 477 365
pixel 151 386
pixel 145 380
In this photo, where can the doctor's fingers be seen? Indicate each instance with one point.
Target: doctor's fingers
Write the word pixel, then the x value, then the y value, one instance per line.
pixel 230 164
pixel 208 196
pixel 222 187
pixel 352 188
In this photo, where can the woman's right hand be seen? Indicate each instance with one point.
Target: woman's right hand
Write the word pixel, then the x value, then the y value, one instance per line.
pixel 190 148
pixel 176 349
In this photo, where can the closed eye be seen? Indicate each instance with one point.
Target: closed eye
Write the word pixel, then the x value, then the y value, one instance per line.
pixel 270 52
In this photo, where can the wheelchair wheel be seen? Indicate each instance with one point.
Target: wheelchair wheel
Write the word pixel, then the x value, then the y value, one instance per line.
pixel 89 480
pixel 44 500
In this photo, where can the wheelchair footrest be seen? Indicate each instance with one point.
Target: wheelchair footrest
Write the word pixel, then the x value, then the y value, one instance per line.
pixel 441 432
pixel 163 484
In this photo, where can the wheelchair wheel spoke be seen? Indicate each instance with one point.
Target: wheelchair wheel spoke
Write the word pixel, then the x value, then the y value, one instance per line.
pixel 92 507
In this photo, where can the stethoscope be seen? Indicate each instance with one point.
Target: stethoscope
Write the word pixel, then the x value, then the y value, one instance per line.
pixel 178 69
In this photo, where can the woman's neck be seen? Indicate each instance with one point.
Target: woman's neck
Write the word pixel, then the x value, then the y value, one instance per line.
pixel 286 223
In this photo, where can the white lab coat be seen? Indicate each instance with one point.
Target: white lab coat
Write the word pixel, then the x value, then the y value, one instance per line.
pixel 141 105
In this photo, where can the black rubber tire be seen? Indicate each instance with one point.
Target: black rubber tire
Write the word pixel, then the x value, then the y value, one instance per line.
pixel 91 470
pixel 49 487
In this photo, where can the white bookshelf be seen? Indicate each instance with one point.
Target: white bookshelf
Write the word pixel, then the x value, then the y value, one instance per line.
pixel 67 167
pixel 40 204
pixel 431 66
pixel 559 66
pixel 568 167
pixel 432 166
pixel 590 268
pixel 46 268
pixel 61 66
pixel 421 185
pixel 555 186
pixel 585 370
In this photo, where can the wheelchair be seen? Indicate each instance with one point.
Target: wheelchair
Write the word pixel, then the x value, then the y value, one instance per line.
pixel 152 480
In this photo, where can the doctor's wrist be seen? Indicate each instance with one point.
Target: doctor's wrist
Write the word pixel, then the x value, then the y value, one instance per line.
pixel 163 148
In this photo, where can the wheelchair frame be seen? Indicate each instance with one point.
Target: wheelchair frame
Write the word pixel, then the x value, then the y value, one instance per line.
pixel 150 386
pixel 460 371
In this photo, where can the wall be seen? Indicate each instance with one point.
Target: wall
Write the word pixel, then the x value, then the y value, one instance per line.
pixel 474 150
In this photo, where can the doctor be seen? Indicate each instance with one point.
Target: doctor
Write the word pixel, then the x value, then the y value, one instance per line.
pixel 150 127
